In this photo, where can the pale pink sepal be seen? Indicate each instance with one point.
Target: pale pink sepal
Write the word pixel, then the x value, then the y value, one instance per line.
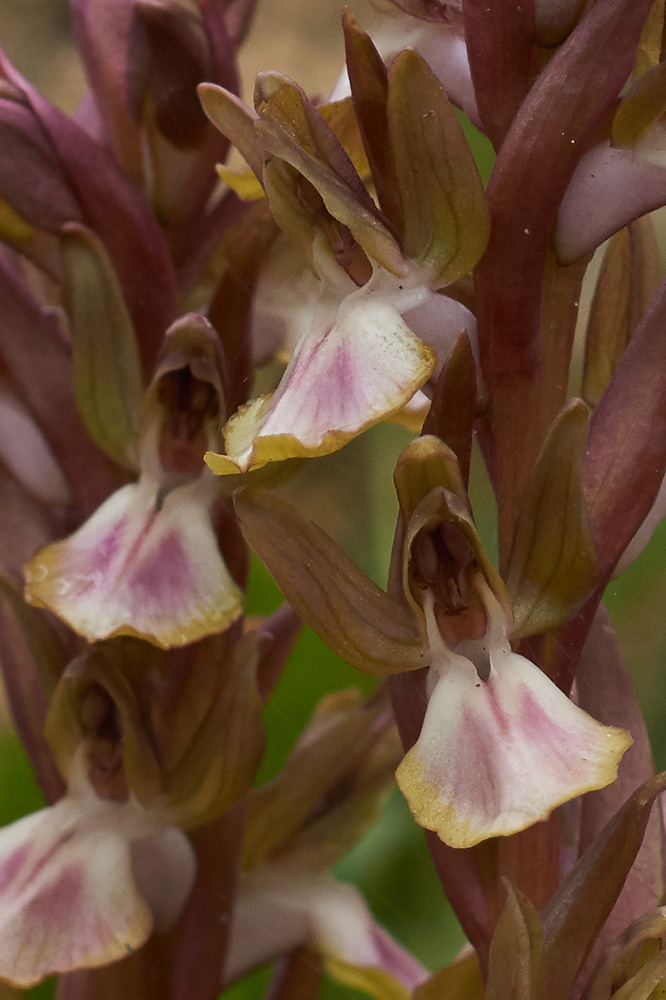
pixel 496 756
pixel 26 453
pixel 341 380
pixel 164 867
pixel 438 321
pixel 445 51
pixel 640 540
pixel 610 187
pixel 280 909
pixel 142 566
pixel 68 891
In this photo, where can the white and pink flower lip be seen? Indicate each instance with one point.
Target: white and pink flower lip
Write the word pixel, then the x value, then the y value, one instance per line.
pixel 280 908
pixel 356 363
pixel 501 746
pixel 147 563
pixel 84 882
pixel 144 564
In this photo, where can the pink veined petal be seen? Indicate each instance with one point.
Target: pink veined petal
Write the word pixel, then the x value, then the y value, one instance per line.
pixel 609 188
pixel 68 899
pixel 347 934
pixel 496 756
pixel 278 911
pixel 138 567
pixel 437 321
pixel 339 382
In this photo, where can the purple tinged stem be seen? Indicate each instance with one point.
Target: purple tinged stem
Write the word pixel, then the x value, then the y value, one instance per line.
pixel 554 126
pixel 500 44
pixel 199 962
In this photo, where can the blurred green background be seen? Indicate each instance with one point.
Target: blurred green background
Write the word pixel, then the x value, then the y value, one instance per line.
pixel 391 864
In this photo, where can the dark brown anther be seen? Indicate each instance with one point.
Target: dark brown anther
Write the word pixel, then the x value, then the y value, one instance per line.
pixel 443 563
pixel 189 403
pixel 100 724
pixel 105 771
pixel 98 714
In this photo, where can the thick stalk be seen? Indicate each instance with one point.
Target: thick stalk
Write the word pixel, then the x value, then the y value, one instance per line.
pixel 554 126
pixel 500 45
pixel 204 926
pixel 140 977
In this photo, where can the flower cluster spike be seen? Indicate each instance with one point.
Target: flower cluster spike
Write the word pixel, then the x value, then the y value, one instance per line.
pixel 182 336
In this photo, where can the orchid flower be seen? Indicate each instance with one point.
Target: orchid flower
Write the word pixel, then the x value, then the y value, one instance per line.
pixel 279 910
pixel 84 882
pixel 291 304
pixel 355 360
pixel 147 563
pixel 500 746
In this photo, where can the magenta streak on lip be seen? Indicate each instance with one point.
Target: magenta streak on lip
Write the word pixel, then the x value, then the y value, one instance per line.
pixel 59 897
pixel 110 543
pixel 163 575
pixel 12 866
pixel 539 725
pixel 67 898
pixel 19 864
pixel 103 553
pixel 474 786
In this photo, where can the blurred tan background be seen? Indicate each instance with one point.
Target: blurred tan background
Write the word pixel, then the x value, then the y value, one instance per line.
pixel 301 38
